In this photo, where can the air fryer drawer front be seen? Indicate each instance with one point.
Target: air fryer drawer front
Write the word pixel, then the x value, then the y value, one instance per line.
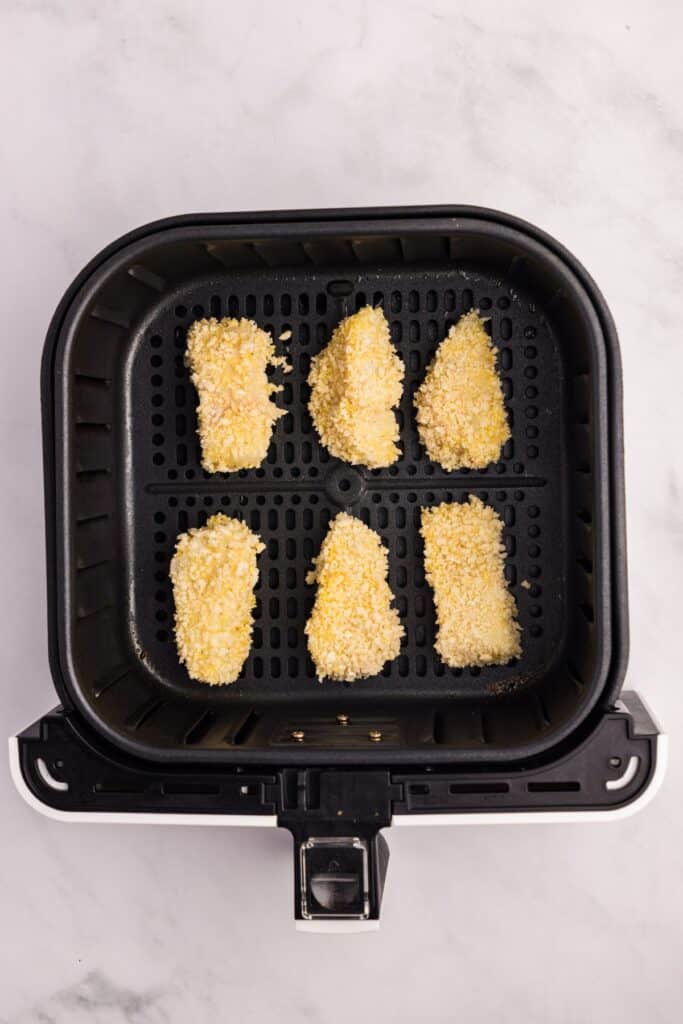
pixel 64 769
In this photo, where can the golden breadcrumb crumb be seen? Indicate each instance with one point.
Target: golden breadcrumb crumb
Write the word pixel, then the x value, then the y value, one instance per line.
pixel 228 361
pixel 353 630
pixel 460 409
pixel 285 336
pixel 356 382
pixel 465 565
pixel 214 572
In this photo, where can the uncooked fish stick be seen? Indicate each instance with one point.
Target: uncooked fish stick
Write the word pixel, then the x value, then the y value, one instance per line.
pixel 356 382
pixel 228 360
pixel 214 573
pixel 465 566
pixel 460 409
pixel 353 630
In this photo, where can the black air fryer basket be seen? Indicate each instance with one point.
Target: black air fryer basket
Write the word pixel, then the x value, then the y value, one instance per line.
pixel 135 737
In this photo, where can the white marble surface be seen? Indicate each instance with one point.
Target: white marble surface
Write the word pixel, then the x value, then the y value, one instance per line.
pixel 570 115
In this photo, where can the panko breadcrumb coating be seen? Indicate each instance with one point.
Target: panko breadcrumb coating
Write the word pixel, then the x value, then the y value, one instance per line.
pixel 356 382
pixel 464 564
pixel 214 572
pixel 460 409
pixel 228 361
pixel 353 630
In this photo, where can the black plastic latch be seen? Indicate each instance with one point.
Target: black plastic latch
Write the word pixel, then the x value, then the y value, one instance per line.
pixel 340 857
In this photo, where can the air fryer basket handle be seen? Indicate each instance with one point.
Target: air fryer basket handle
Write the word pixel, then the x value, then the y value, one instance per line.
pixel 338 879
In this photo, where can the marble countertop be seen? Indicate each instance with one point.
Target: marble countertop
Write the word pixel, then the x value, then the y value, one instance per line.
pixel 568 115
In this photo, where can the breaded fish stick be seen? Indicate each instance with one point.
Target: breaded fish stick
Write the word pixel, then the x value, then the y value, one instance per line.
pixel 356 382
pixel 353 630
pixel 460 409
pixel 228 361
pixel 214 572
pixel 464 564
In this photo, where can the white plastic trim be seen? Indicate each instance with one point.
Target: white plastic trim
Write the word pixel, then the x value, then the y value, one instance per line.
pixel 333 927
pixel 629 775
pixel 549 817
pixel 126 818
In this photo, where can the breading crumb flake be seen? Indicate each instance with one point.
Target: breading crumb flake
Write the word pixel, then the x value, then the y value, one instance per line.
pixel 214 572
pixel 465 566
pixel 353 630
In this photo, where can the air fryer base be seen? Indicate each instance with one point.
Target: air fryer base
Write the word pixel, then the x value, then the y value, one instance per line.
pixel 67 772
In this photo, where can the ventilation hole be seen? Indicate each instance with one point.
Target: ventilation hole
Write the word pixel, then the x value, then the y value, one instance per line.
pixel 158 459
pixel 414 331
pixel 506 328
pixel 534 571
pixel 553 787
pixel 181 312
pixel 157 400
pixel 533 551
pixel 505 359
pixel 467 300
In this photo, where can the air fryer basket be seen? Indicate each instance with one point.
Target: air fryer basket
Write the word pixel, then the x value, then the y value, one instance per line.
pixel 123 478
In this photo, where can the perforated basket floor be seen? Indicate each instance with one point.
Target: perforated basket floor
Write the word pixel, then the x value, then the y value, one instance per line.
pixel 290 500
